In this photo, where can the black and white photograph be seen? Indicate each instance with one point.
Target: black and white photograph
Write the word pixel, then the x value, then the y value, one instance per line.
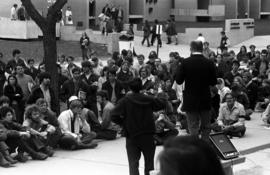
pixel 135 87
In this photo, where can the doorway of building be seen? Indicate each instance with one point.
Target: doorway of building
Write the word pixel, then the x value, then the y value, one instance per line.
pixel 91 14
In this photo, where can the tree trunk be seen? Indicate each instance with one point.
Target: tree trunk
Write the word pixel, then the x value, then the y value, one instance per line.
pixel 47 25
pixel 50 58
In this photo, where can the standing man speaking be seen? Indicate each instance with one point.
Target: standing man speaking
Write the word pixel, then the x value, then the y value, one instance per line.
pixel 199 74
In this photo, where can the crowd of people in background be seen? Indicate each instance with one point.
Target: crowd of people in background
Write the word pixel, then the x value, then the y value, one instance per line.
pixel 111 19
pixel 90 91
pixel 18 13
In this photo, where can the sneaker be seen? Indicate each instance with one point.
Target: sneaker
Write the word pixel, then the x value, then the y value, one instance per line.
pixel 21 158
pixel 39 156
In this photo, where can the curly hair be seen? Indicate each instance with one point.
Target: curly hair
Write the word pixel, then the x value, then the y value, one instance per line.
pixel 29 110
pixel 4 110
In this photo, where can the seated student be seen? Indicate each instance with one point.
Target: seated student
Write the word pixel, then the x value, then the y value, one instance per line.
pixel 50 117
pixel 263 95
pixel 5 102
pixel 231 118
pixel 40 128
pixel 95 125
pixel 31 70
pixel 19 136
pixel 222 89
pixel 190 156
pixel 76 131
pixel 108 128
pixel 5 159
pixel 172 96
pixel 113 87
pixel 215 103
pixel 266 116
pixel 45 91
pixel 165 121
pixel 242 98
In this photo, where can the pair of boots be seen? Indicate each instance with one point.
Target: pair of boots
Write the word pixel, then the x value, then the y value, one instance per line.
pixel 170 41
pixel 84 146
pixel 6 160
pixel 42 155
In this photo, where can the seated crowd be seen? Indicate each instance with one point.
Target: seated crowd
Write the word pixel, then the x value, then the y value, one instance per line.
pixel 31 125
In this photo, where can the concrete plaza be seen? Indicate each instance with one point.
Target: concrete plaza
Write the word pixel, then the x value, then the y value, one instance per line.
pixel 109 158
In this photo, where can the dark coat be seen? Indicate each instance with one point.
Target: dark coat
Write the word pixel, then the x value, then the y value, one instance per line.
pixel 149 84
pixel 146 30
pixel 91 89
pixel 11 65
pixel 33 72
pixel 124 78
pixel 37 93
pixel 68 89
pixel 118 89
pixel 86 43
pixel 135 113
pixel 199 74
pixel 10 92
pixel 170 29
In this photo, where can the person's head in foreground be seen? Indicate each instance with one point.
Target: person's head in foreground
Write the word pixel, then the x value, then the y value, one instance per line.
pixel 188 155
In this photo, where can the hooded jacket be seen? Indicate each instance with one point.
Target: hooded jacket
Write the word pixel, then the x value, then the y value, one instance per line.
pixel 135 113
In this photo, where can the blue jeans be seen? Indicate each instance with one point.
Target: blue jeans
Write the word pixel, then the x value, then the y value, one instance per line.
pixel 199 123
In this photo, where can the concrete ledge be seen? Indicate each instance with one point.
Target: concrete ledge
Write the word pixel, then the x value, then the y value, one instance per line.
pixel 69 33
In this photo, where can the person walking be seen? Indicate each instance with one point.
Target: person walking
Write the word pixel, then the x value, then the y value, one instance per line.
pixel 171 31
pixel 135 113
pixel 146 33
pixel 155 35
pixel 199 74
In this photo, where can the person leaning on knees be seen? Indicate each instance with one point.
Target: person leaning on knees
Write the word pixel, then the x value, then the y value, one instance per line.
pixel 76 131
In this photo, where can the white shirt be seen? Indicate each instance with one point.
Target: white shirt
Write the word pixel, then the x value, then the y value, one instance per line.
pixel 201 38
pixel 64 120
pixel 69 15
pixel 13 13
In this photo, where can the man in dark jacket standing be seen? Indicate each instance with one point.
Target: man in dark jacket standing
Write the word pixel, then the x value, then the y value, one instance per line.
pixel 135 113
pixel 199 74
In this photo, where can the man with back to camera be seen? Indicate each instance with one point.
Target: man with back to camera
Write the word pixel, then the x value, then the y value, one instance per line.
pixel 199 74
pixel 135 113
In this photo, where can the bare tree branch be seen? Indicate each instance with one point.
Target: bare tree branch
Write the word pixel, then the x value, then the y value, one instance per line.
pixel 34 14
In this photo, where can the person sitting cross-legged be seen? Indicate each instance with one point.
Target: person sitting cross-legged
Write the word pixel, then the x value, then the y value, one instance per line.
pixel 50 117
pixel 19 136
pixel 40 128
pixel 165 122
pixel 76 131
pixel 108 128
pixel 231 118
